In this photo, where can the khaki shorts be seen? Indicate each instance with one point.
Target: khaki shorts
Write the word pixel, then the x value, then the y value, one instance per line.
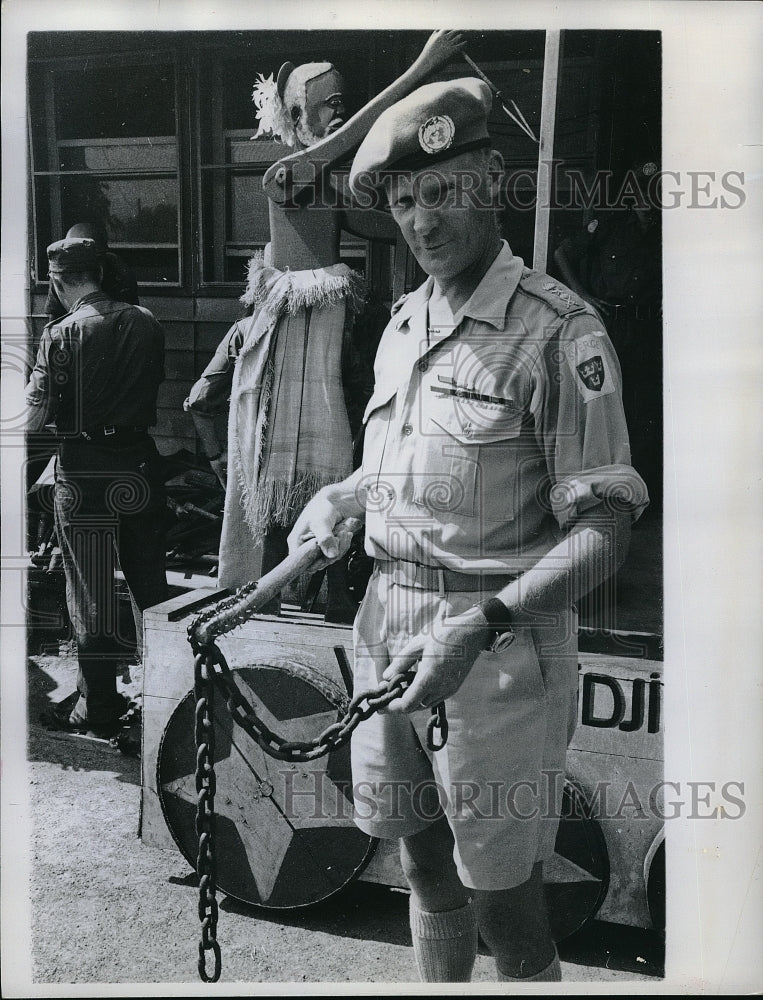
pixel 499 778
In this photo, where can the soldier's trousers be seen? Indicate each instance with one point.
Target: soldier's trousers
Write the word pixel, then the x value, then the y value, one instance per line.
pixel 109 507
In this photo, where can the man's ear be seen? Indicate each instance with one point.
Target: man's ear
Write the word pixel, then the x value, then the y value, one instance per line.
pixel 495 170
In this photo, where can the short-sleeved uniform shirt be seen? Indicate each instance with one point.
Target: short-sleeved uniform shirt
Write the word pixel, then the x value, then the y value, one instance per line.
pixel 483 442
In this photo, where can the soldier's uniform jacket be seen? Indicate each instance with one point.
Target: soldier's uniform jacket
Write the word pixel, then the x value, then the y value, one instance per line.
pixel 99 364
pixel 485 440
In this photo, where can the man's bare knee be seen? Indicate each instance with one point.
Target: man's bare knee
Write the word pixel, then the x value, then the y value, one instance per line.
pixel 427 861
pixel 514 925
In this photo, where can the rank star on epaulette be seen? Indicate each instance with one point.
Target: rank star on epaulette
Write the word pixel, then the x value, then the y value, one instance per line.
pixel 566 296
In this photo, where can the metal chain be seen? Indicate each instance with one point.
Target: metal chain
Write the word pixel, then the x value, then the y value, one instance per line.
pixel 224 616
pixel 206 865
pixel 210 668
pixel 361 707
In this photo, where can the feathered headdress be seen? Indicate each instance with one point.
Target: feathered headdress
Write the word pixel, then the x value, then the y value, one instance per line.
pixel 275 98
pixel 271 114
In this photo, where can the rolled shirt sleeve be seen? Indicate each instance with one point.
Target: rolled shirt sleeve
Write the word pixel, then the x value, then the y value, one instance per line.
pixel 580 422
pixel 210 393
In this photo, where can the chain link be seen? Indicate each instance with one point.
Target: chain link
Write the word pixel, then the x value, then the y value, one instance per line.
pixel 206 864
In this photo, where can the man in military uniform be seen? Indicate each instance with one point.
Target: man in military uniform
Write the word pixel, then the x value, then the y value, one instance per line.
pixel 496 487
pixel 97 374
pixel 118 280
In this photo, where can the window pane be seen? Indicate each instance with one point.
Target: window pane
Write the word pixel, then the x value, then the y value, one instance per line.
pixel 134 210
pixel 150 153
pixel 108 124
pixel 237 263
pixel 152 264
pixel 236 223
pixel 44 226
pixel 256 151
pixel 115 101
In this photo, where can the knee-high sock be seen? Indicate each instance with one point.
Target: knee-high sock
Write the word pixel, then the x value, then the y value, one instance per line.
pixel 445 943
pixel 551 974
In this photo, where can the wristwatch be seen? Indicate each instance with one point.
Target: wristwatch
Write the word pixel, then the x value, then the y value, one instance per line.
pixel 501 633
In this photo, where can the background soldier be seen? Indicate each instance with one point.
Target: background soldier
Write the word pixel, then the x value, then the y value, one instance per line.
pixel 97 373
pixel 118 280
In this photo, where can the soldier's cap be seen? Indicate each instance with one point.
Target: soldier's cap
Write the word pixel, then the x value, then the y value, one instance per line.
pixel 73 254
pixel 434 123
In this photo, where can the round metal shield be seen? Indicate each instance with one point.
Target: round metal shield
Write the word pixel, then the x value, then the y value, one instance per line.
pixel 576 879
pixel 284 835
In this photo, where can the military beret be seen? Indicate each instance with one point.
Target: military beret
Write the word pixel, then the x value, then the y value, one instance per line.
pixel 434 123
pixel 73 254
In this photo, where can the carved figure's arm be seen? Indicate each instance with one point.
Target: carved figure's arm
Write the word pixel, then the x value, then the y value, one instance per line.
pixel 284 180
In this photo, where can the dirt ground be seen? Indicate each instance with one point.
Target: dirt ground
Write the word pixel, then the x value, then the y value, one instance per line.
pixel 107 909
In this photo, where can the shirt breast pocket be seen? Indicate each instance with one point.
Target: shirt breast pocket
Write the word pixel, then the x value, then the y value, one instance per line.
pixel 376 421
pixel 469 460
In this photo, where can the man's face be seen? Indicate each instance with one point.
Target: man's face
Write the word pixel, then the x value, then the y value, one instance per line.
pixel 444 213
pixel 62 290
pixel 324 108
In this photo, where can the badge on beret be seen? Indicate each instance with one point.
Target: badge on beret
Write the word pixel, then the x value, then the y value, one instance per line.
pixel 436 133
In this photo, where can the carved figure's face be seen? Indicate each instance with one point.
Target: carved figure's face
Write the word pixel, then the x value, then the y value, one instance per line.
pixel 324 112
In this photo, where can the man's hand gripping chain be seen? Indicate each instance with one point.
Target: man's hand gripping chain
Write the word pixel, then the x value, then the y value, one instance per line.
pixel 230 612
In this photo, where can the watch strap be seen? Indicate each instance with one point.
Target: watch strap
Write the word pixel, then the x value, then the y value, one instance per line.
pixel 498 618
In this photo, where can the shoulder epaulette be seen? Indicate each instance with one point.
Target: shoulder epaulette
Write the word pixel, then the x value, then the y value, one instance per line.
pixel 397 305
pixel 556 295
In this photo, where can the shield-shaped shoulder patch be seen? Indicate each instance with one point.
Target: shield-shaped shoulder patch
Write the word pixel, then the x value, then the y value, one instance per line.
pixel 591 372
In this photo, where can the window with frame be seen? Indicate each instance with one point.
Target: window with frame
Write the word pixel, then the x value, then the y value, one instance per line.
pixel 104 149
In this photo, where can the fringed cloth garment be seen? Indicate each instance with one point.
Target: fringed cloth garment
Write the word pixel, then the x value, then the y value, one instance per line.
pixel 288 430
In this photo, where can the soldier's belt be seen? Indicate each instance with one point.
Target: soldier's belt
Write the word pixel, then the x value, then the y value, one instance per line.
pixel 411 574
pixel 114 432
